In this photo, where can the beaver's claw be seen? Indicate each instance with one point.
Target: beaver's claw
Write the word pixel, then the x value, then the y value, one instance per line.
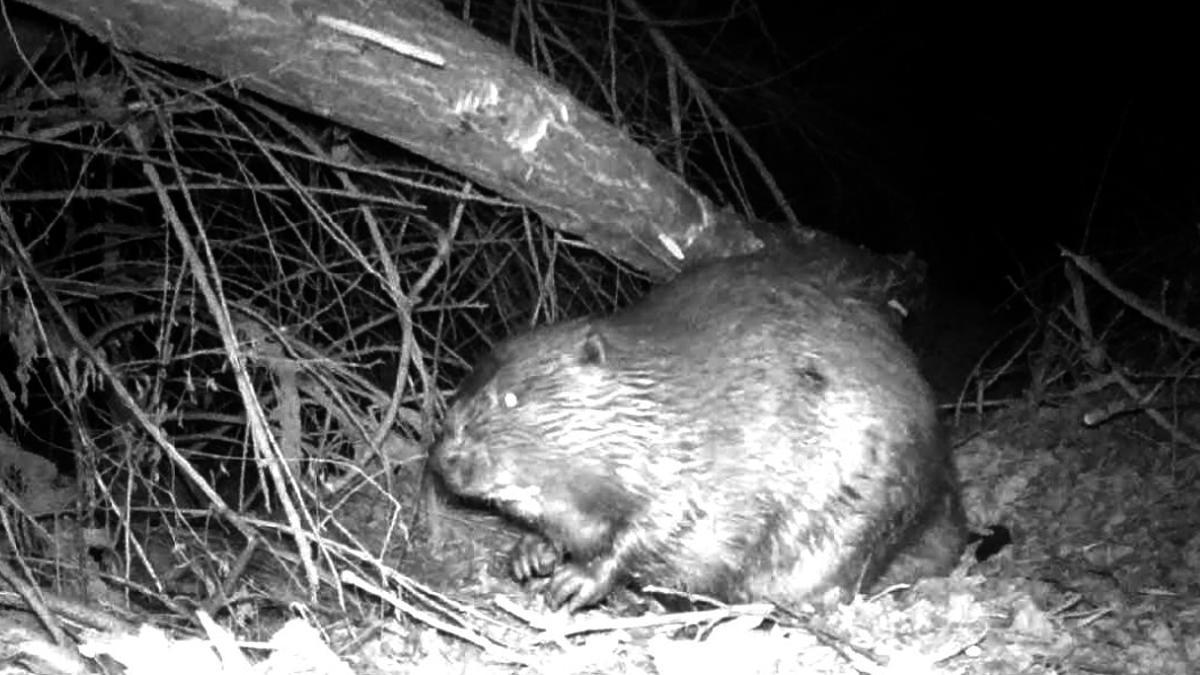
pixel 534 556
pixel 576 587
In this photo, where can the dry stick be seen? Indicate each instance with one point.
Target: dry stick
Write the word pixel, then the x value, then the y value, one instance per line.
pixel 440 603
pixel 1166 322
pixel 568 45
pixel 264 443
pixel 79 613
pixel 390 279
pixel 14 41
pixel 675 60
pixel 94 357
pixel 493 649
pixel 1132 300
pixel 403 303
pixel 29 593
pixel 1093 349
pixel 982 383
pixel 23 266
pixel 404 307
pixel 223 643
pixel 675 108
pixel 1176 433
pixel 555 627
pixel 286 479
pixel 30 273
pixel 1101 414
pixel 110 376
pixel 281 342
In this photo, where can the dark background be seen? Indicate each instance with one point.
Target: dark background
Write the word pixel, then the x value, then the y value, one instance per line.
pixel 981 135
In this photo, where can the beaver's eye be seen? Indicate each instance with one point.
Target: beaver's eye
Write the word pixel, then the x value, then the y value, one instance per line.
pixel 509 400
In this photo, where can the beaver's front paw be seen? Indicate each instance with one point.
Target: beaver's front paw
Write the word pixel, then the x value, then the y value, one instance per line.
pixel 576 587
pixel 534 556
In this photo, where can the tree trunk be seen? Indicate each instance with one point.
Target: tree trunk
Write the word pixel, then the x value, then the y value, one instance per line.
pixel 443 91
pixel 483 113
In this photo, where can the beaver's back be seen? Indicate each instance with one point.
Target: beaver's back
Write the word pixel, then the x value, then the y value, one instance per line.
pixel 753 336
pixel 788 405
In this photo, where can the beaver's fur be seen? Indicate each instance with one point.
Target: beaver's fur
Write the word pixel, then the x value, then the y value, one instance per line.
pixel 741 432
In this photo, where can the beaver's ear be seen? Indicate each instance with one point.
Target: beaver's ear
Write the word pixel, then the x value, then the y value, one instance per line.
pixel 483 372
pixel 594 349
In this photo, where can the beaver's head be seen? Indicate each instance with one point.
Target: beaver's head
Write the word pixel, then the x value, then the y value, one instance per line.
pixel 534 413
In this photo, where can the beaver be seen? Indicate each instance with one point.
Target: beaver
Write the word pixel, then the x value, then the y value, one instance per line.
pixel 742 432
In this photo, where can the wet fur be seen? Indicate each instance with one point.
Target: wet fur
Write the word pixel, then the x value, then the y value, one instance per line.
pixel 741 433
